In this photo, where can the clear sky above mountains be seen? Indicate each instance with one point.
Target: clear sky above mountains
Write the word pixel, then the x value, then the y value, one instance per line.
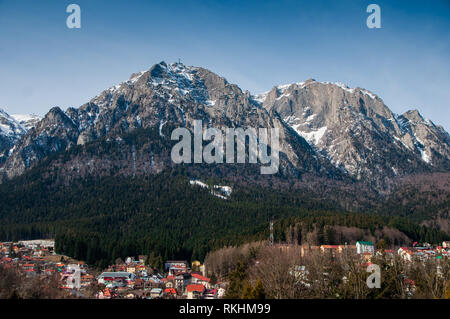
pixel 255 44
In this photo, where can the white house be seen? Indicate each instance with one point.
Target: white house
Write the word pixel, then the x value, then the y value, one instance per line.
pixel 365 247
pixel 116 277
pixel 175 264
pixel 156 293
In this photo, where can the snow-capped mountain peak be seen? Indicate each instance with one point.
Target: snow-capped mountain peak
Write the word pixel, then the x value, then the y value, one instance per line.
pixel 9 126
pixel 10 132
pixel 327 127
pixel 355 130
pixel 28 121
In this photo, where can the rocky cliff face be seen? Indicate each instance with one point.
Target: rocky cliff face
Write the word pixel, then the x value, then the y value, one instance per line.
pixel 424 138
pixel 357 132
pixel 12 128
pixel 164 94
pixel 10 132
pixel 326 129
pixel 55 132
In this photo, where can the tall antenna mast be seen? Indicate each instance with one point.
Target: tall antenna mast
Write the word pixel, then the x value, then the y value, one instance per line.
pixel 271 233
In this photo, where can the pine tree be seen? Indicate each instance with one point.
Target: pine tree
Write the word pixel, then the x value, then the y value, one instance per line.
pixel 213 279
pixel 258 291
pixel 247 291
pixel 237 279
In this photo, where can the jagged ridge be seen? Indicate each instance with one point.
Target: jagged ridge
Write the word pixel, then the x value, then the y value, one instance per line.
pixel 327 129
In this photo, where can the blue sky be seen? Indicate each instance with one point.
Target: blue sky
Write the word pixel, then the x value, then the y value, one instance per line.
pixel 255 44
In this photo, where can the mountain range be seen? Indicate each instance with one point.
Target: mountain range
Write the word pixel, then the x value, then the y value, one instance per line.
pixel 99 178
pixel 327 130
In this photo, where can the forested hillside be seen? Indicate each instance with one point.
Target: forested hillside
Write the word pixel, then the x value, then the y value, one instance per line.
pixel 98 220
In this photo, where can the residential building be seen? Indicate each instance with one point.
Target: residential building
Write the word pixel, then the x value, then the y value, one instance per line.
pixel 195 291
pixel 156 293
pixel 117 277
pixel 175 264
pixel 365 247
pixel 199 279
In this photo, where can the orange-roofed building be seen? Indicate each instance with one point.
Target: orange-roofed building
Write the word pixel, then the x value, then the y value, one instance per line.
pixel 140 267
pixel 331 249
pixel 107 293
pixel 199 279
pixel 28 267
pixel 195 291
pixel 170 291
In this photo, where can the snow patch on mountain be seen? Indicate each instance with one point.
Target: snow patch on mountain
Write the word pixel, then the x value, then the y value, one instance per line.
pixel 421 147
pixel 26 120
pixel 260 98
pixel 341 85
pixel 401 142
pixel 10 127
pixel 220 191
pixel 371 95
pixel 161 125
pixel 314 136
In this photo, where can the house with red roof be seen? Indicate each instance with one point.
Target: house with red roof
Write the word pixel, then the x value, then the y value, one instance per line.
pixel 170 292
pixel 28 267
pixel 199 279
pixel 6 260
pixel 195 291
